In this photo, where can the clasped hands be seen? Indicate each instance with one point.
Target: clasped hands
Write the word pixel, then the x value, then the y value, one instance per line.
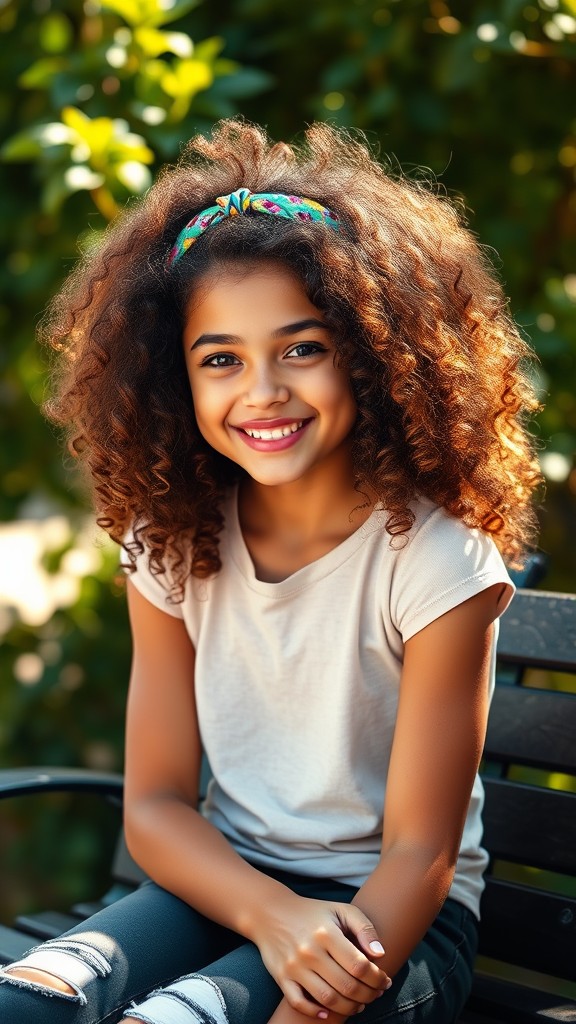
pixel 322 954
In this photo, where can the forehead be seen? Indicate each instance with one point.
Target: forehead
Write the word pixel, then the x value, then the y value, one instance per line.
pixel 234 295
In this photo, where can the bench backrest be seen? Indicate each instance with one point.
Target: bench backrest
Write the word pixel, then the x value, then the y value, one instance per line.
pixel 529 772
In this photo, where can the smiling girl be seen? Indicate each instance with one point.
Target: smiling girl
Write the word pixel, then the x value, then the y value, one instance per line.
pixel 300 398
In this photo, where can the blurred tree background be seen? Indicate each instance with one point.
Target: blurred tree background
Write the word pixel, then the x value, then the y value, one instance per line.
pixel 95 96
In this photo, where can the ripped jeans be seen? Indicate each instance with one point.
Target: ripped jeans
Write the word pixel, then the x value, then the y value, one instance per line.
pixel 153 957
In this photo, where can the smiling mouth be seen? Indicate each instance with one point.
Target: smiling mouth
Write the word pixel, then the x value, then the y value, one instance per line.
pixel 276 433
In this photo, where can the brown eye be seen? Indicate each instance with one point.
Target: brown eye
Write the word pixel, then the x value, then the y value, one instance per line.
pixel 220 359
pixel 305 349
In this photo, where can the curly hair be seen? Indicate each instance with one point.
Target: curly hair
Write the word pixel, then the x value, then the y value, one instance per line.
pixel 437 367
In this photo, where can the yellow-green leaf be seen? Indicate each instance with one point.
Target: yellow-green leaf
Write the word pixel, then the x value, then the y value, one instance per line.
pixel 130 10
pixel 152 13
pixel 28 144
pixel 75 119
pixel 55 32
pixel 41 73
pixel 208 49
pixel 129 143
pixel 154 42
pixel 186 78
pixel 133 175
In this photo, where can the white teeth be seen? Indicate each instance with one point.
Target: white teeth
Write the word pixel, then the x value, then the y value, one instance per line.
pixel 277 433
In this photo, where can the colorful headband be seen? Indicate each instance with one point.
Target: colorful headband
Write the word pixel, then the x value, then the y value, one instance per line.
pixel 242 201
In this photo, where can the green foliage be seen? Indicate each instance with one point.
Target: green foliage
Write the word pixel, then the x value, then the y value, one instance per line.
pixel 96 96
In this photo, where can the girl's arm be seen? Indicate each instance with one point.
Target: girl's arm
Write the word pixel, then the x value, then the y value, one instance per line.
pixel 438 742
pixel 302 941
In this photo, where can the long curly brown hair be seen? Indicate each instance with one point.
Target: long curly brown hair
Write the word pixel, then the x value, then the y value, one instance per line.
pixel 437 367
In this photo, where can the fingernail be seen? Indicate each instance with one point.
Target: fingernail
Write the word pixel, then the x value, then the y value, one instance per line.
pixel 322 1015
pixel 376 946
pixel 389 985
pixel 361 1009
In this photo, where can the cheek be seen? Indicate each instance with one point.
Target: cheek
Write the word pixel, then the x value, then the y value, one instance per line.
pixel 347 410
pixel 210 408
pixel 338 394
pixel 197 402
pixel 200 395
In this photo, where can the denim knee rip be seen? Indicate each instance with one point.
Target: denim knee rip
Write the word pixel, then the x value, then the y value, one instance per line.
pixel 74 961
pixel 192 999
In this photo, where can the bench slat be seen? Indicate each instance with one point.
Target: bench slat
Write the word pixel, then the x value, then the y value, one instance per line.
pixel 533 727
pixel 539 629
pixel 13 944
pixel 495 1001
pixel 530 825
pixel 529 928
pixel 47 924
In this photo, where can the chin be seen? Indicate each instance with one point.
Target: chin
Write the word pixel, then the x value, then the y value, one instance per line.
pixel 276 479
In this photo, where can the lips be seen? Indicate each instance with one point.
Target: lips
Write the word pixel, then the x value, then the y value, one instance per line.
pixel 272 435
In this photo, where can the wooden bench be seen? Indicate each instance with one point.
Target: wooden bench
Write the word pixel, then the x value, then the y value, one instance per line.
pixel 526 971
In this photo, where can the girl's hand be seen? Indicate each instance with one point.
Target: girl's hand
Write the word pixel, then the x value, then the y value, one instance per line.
pixel 320 954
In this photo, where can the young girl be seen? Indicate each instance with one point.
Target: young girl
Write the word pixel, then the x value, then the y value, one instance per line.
pixel 300 398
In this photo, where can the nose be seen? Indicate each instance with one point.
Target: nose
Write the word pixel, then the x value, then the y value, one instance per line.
pixel 265 388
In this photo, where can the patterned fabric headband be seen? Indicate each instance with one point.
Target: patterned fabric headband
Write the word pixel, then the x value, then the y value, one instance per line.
pixel 242 201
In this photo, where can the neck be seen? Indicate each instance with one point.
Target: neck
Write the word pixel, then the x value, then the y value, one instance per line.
pixel 305 509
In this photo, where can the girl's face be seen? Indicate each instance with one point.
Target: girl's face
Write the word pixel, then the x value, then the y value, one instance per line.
pixel 261 364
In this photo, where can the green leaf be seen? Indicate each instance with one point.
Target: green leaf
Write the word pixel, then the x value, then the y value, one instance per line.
pixel 168 12
pixel 153 71
pixel 151 13
pixel 457 69
pixel 23 146
pixel 41 74
pixel 344 73
pixel 382 102
pixel 510 10
pixel 30 143
pixel 55 33
pixel 244 83
pixel 208 49
pixel 55 192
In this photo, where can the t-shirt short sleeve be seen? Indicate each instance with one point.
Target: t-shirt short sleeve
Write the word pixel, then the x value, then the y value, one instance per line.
pixel 443 564
pixel 153 587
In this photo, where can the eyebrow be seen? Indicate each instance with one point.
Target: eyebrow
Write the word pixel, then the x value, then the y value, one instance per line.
pixel 281 332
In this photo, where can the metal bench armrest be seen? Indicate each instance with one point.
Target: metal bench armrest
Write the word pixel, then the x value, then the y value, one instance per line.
pixel 24 781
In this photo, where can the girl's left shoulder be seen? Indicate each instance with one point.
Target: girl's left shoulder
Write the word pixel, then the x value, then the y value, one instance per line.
pixel 434 527
pixel 442 563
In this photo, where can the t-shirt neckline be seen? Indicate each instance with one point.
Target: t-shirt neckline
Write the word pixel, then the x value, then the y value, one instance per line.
pixel 308 574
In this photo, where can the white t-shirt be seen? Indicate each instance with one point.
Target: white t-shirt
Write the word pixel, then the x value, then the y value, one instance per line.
pixel 297 687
